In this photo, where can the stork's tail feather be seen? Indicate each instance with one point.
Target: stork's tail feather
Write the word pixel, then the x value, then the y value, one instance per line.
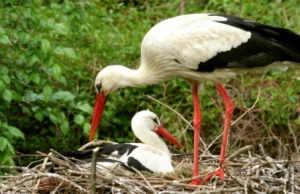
pixel 86 157
pixel 287 40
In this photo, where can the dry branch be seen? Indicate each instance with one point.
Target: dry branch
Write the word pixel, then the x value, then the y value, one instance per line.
pixel 250 173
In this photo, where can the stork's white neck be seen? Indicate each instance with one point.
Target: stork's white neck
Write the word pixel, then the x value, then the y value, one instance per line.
pixel 149 137
pixel 126 77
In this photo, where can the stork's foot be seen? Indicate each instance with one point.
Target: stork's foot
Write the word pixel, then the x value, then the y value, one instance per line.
pixel 197 182
pixel 219 172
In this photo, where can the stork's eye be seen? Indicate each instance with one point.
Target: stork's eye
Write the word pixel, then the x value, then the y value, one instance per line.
pixel 98 87
pixel 155 120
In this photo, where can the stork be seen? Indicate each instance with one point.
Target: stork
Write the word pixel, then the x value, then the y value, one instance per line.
pixel 198 48
pixel 152 155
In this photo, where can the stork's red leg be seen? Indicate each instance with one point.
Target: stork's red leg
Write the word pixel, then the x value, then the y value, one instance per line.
pixel 197 128
pixel 229 107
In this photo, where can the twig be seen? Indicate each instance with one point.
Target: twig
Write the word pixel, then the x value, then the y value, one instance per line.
pixel 206 150
pixel 243 149
pixel 178 114
pixel 268 158
pixel 292 169
pixel 92 67
pixel 224 190
pixel 42 169
pixel 55 160
pixel 56 189
pixel 93 170
pixel 144 178
pixel 257 99
pixel 95 143
pixel 294 137
pixel 51 175
pixel 65 158
pixel 245 185
pixel 170 108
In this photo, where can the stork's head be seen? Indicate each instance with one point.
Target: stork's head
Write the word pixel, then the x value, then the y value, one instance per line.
pixel 108 79
pixel 145 123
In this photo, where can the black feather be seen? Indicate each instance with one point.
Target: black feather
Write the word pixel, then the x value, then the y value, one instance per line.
pixel 132 162
pixel 266 45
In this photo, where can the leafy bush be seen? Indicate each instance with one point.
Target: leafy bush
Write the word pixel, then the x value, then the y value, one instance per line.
pixel 50 52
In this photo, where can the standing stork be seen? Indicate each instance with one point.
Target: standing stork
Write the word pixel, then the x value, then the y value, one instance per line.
pixel 152 155
pixel 198 48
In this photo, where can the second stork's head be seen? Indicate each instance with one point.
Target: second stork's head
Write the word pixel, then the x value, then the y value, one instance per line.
pixel 108 80
pixel 146 127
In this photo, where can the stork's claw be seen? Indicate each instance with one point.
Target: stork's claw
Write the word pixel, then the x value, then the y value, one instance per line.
pixel 197 182
pixel 219 172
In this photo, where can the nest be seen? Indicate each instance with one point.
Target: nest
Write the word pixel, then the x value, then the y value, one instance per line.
pixel 246 172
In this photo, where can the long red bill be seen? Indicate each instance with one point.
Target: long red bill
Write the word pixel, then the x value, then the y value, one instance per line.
pixel 166 134
pixel 98 110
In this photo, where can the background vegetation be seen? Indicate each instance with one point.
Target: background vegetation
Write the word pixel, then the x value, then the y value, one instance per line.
pixel 50 52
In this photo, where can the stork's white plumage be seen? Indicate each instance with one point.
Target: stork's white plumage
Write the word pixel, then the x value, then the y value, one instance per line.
pixel 152 155
pixel 197 48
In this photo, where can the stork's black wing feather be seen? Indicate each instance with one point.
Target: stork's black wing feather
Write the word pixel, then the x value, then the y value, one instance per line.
pixel 116 150
pixel 266 45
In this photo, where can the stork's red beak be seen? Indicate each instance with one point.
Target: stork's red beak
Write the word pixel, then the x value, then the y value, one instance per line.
pixel 166 134
pixel 98 110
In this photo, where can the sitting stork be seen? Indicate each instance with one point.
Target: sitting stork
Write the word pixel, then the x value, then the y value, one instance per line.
pixel 152 155
pixel 198 48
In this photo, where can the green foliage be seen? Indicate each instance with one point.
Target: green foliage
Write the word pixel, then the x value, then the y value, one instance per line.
pixel 49 51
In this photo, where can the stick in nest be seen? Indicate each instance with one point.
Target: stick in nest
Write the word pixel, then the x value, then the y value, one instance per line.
pixel 93 170
pixel 257 99
pixel 29 177
pixel 177 113
pixel 95 143
pixel 144 178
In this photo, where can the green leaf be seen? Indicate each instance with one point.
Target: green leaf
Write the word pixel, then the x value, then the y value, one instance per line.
pixel 2 31
pixel 61 29
pixel 15 132
pixel 39 115
pixel 3 143
pixel 10 162
pixel 47 92
pixel 53 118
pixel 10 148
pixel 2 85
pixel 86 128
pixel 33 59
pixel 32 97
pixel 45 46
pixel 6 79
pixel 24 37
pixel 65 51
pixel 7 95
pixel 65 127
pixel 62 95
pixel 56 71
pixel 70 53
pixel 21 74
pixel 4 39
pixel 3 70
pixel 35 78
pixel 85 108
pixel 79 119
pixel 4 157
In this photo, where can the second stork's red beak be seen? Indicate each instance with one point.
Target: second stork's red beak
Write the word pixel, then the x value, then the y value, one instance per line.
pixel 98 110
pixel 166 134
